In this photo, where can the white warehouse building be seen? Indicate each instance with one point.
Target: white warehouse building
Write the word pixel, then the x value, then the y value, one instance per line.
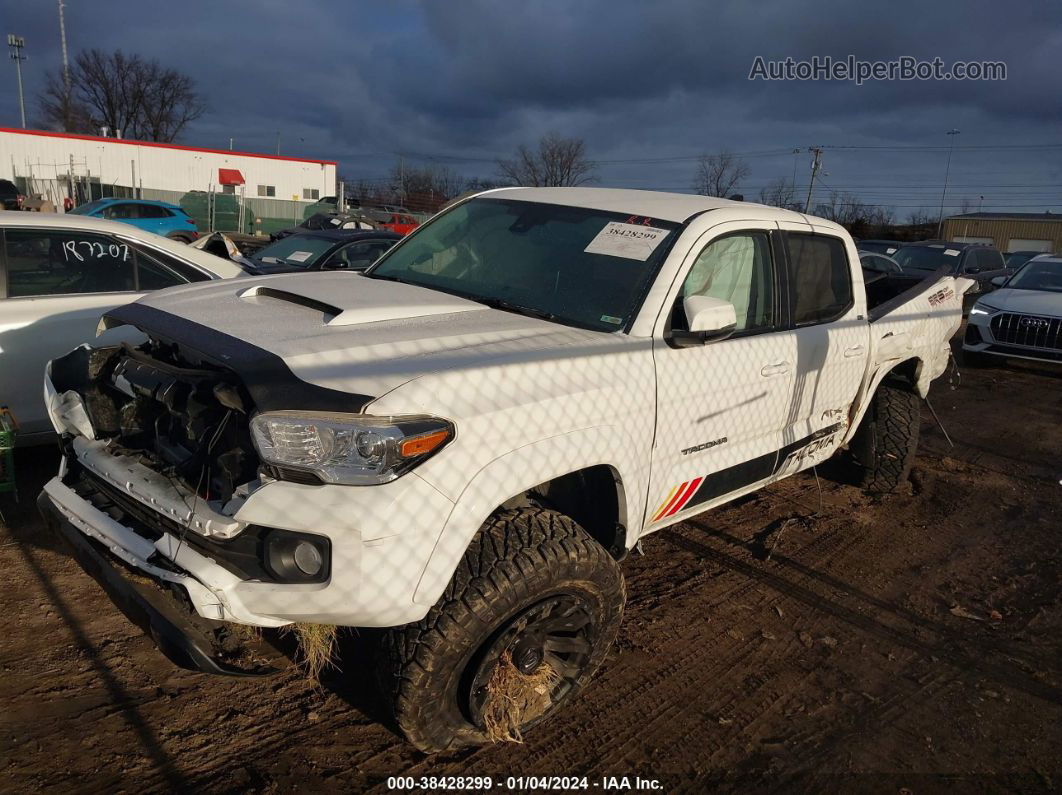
pixel 47 161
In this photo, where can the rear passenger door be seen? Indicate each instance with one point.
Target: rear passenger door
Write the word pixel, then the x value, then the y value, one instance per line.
pixel 828 316
pixel 153 218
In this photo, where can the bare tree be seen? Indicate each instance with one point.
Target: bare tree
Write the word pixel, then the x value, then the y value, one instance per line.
pixel 780 193
pixel 169 104
pixel 143 99
pixel 558 162
pixel 921 217
pixel 843 208
pixel 437 181
pixel 719 175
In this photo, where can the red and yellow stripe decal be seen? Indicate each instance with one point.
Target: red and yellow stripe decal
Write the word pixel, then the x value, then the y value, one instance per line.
pixel 676 499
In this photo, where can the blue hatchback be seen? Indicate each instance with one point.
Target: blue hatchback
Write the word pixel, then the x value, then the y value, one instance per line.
pixel 162 218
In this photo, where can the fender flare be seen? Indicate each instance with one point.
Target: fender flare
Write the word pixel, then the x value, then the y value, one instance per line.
pixel 516 472
pixel 922 380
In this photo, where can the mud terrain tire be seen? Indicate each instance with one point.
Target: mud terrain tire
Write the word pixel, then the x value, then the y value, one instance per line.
pixel 521 563
pixel 883 447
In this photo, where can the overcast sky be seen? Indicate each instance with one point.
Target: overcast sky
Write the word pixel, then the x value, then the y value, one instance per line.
pixel 646 84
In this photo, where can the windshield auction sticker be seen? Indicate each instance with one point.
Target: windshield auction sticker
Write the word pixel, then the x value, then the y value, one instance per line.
pixel 630 241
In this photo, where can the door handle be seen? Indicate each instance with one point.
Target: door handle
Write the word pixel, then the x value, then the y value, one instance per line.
pixel 855 350
pixel 774 369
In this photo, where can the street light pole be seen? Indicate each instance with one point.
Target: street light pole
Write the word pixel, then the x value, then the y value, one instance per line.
pixel 62 39
pixel 947 169
pixel 16 43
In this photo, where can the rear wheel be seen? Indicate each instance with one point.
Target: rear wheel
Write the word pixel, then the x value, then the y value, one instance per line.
pixel 181 237
pixel 527 618
pixel 882 449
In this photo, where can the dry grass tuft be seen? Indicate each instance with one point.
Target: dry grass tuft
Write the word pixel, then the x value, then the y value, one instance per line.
pixel 317 647
pixel 245 632
pixel 514 699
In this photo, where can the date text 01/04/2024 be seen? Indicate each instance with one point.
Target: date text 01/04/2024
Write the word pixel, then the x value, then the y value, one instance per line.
pixel 522 783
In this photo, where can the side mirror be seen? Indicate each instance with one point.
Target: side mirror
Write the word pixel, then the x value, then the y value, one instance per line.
pixel 708 314
pixel 971 269
pixel 999 281
pixel 334 265
pixel 710 319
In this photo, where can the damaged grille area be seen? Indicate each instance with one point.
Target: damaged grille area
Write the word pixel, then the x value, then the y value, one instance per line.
pixel 185 418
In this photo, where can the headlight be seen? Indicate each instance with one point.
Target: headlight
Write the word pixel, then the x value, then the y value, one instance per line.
pixel 352 449
pixel 981 308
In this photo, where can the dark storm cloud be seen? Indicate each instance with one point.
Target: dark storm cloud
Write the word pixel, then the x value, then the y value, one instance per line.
pixel 474 78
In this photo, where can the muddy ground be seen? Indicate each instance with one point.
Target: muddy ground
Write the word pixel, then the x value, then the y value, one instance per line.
pixel 909 642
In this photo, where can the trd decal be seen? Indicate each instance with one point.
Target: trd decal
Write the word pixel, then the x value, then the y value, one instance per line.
pixel 704 446
pixel 833 414
pixel 941 296
pixel 678 497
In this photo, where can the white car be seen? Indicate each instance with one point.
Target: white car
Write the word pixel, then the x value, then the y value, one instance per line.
pixel 461 444
pixel 1022 319
pixel 58 274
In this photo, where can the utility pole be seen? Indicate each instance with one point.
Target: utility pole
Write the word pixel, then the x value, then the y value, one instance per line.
pixel 816 166
pixel 278 142
pixel 947 169
pixel 16 43
pixel 62 39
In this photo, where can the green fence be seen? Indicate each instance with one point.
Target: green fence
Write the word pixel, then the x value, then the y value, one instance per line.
pixel 211 210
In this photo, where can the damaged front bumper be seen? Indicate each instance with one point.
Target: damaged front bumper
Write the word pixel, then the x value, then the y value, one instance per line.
pixel 125 495
pixel 186 641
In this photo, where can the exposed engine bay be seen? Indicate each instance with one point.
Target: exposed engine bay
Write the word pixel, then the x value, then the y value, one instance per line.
pixel 182 417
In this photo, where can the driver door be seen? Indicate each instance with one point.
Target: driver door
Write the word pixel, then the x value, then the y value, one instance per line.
pixel 721 406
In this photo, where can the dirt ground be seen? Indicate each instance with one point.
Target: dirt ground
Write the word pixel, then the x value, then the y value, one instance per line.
pixel 912 642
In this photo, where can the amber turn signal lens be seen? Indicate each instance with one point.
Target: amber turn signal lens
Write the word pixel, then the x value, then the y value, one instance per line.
pixel 419 445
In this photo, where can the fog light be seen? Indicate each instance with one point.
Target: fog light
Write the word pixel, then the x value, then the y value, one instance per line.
pixel 297 557
pixel 308 558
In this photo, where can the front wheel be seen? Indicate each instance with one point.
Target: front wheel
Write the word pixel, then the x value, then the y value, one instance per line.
pixel 526 620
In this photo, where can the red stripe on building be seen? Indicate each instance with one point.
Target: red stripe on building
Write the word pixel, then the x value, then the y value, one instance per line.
pixel 132 142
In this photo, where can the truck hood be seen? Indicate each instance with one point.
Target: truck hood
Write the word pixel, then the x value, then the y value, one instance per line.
pixel 342 331
pixel 1029 302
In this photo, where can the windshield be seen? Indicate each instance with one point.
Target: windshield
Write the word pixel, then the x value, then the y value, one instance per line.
pixel 88 209
pixel 301 251
pixel 926 258
pixel 578 266
pixel 1039 275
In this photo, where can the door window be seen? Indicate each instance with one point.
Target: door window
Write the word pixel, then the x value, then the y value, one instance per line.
pixel 121 212
pixel 820 279
pixel 154 275
pixel 736 268
pixel 46 262
pixel 152 211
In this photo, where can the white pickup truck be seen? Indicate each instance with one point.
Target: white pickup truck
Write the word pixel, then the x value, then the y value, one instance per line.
pixel 461 445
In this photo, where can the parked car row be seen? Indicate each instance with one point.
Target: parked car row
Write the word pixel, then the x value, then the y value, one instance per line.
pixel 1015 311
